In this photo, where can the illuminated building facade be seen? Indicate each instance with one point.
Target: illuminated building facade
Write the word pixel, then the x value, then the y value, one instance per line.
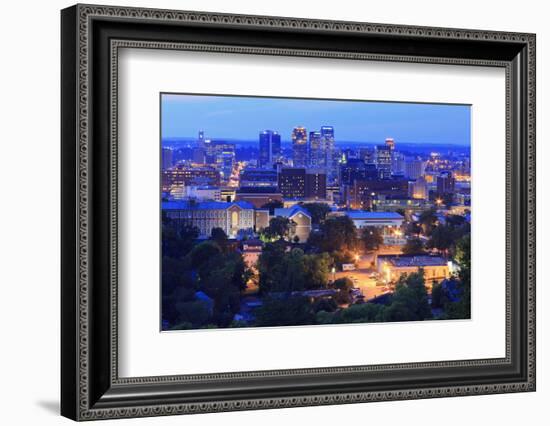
pixel 251 177
pixel 418 189
pixel 445 183
pixel 316 150
pixel 316 184
pixel 292 182
pixel 299 147
pixel 188 175
pixel 231 217
pixel 383 161
pixel 269 148
pixel 414 168
pixel 391 267
pixel 302 221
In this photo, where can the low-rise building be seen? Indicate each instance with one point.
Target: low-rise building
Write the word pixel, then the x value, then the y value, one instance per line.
pixel 252 249
pixel 391 267
pixel 362 219
pixel 302 219
pixel 231 217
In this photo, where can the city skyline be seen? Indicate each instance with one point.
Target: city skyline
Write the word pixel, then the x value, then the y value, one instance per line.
pixel 240 117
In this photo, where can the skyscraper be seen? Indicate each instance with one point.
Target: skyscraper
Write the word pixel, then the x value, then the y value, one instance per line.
pixel 270 148
pixel 327 143
pixel 167 158
pixel 414 168
pixel 316 150
pixel 199 152
pixel 299 146
pixel 383 161
pixel 445 183
pixel 418 189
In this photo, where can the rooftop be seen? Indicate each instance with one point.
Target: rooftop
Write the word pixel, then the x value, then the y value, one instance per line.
pixel 258 190
pixel 361 214
pixel 205 205
pixel 414 261
pixel 291 211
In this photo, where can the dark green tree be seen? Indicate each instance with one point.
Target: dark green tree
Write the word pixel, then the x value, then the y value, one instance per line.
pixel 410 300
pixel 428 221
pixel 337 234
pixel 295 310
pixel 279 228
pixel 371 238
pixel 219 236
pixel 413 246
pixel 318 211
pixel 272 205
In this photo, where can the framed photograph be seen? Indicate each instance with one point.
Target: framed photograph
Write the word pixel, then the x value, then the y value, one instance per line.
pixel 263 212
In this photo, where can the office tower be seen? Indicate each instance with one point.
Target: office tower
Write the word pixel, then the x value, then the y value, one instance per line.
pixel 397 163
pixel 390 143
pixel 414 168
pixel 167 158
pixel 356 169
pixel 270 148
pixel 226 161
pixel 200 140
pixel 316 184
pixel 383 161
pixel 445 183
pixel 316 150
pixel 292 182
pixel 299 146
pixel 418 189
pixel 327 142
pixel 367 155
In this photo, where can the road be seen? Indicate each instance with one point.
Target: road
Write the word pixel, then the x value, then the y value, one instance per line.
pixel 362 279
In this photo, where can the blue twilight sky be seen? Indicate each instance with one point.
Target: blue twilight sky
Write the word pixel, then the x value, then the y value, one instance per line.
pixel 236 117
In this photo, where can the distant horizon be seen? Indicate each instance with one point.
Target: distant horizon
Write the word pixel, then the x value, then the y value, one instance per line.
pixel 242 118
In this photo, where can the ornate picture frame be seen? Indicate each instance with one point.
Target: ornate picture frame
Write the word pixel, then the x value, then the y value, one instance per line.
pixel 91 37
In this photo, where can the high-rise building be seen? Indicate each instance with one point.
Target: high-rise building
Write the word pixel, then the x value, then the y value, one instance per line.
pixel 270 148
pixel 199 151
pixel 414 168
pixel 397 163
pixel 167 158
pixel 226 161
pixel 354 169
pixel 390 143
pixel 292 182
pixel 299 146
pixel 316 150
pixel 316 184
pixel 383 161
pixel 418 189
pixel 327 142
pixel 367 155
pixel 445 183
